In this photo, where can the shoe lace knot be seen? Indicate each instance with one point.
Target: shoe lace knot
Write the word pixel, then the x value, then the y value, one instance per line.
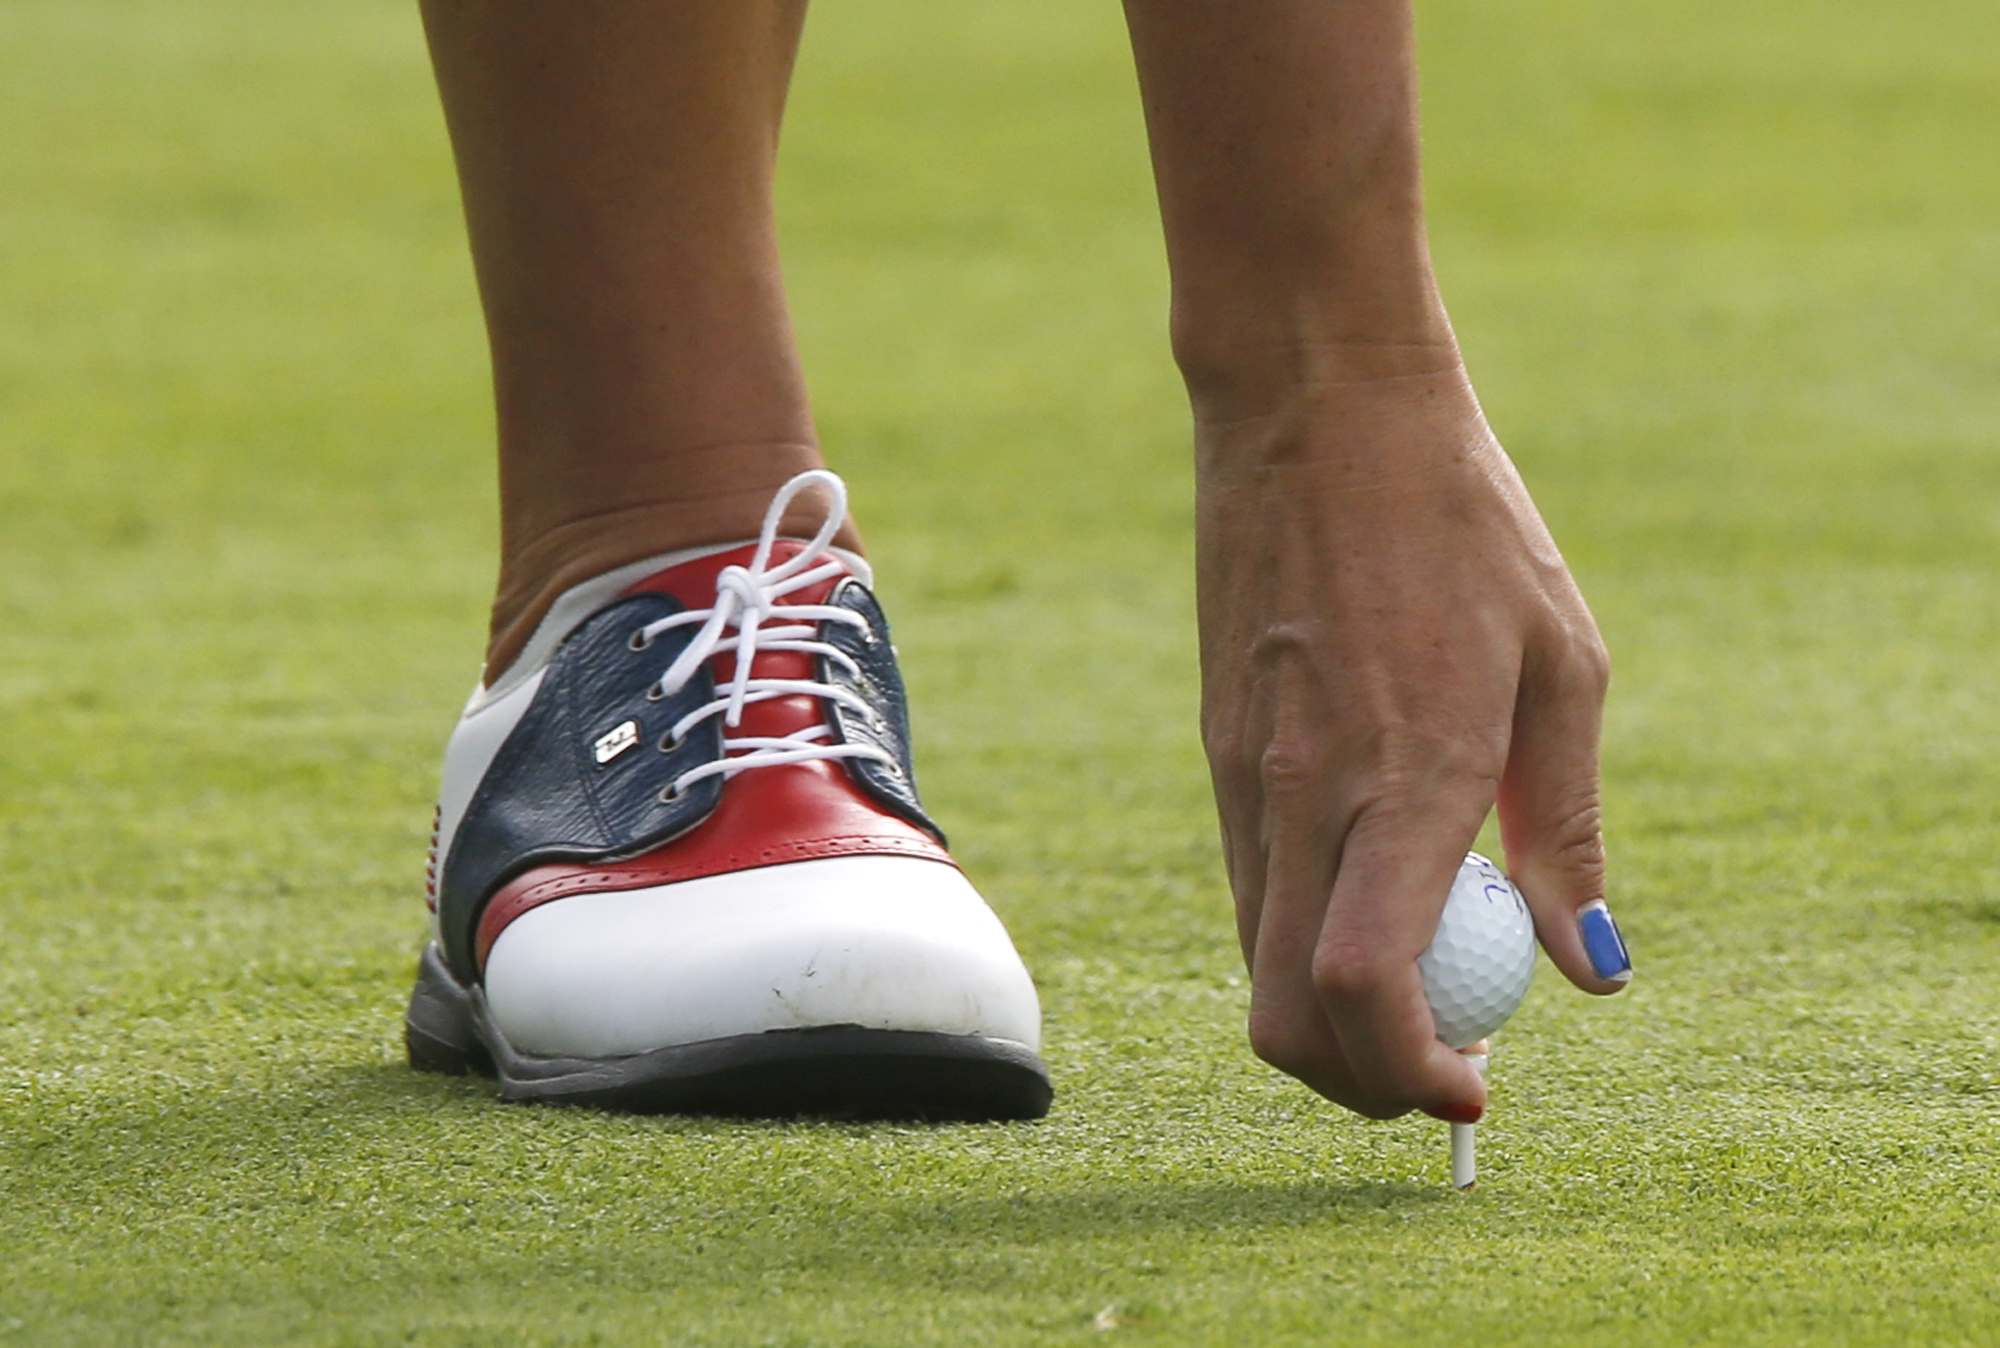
pixel 750 616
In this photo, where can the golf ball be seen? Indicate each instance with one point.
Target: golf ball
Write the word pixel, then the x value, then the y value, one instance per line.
pixel 1477 968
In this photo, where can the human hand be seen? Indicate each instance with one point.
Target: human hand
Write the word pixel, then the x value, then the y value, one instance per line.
pixel 1390 644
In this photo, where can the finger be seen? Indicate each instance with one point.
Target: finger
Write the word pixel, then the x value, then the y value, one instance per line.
pixel 1551 815
pixel 1291 1033
pixel 1243 862
pixel 1288 1027
pixel 1396 870
pixel 1238 805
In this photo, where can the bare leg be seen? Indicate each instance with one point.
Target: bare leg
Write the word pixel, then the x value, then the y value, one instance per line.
pixel 616 162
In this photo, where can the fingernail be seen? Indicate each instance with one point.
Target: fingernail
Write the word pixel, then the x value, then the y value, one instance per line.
pixel 1461 1113
pixel 1608 957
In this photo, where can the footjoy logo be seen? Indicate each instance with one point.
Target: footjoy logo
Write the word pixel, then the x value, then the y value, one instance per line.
pixel 615 741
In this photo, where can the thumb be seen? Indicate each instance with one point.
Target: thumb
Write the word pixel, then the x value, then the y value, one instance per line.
pixel 1551 816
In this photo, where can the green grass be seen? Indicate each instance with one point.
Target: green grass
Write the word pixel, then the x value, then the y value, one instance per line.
pixel 1728 284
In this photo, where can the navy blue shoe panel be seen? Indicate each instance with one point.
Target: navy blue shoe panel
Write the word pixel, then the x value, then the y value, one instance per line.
pixel 548 797
pixel 880 685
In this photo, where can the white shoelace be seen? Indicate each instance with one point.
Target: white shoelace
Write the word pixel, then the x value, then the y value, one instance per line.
pixel 747 601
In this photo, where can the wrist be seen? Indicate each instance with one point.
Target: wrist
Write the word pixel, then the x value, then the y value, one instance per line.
pixel 1347 416
pixel 1245 348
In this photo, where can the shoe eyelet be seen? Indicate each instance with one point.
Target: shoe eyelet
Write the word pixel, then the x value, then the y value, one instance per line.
pixel 668 744
pixel 638 641
pixel 653 693
pixel 670 795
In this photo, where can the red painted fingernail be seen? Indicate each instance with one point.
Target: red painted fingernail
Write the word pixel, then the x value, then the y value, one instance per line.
pixel 1461 1113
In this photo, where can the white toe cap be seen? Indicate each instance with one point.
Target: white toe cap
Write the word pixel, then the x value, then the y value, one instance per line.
pixel 884 942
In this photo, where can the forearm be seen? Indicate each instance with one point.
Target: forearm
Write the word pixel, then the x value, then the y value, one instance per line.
pixel 1285 148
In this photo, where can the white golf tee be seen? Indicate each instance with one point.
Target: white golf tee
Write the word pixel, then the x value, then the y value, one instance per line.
pixel 1464 1162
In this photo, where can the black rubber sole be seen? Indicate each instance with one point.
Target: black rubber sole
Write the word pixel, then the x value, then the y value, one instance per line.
pixel 839 1071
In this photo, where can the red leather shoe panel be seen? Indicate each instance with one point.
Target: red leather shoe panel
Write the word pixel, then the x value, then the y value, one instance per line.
pixel 768 816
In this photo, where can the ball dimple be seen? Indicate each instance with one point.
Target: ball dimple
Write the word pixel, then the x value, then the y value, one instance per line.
pixel 1478 966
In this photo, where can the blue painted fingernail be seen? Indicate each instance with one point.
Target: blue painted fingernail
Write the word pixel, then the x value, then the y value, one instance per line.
pixel 1608 957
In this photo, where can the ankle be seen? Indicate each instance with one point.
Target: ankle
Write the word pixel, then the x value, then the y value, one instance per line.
pixel 538 564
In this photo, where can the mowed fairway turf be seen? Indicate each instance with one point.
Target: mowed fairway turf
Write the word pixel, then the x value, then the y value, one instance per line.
pixel 1728 285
